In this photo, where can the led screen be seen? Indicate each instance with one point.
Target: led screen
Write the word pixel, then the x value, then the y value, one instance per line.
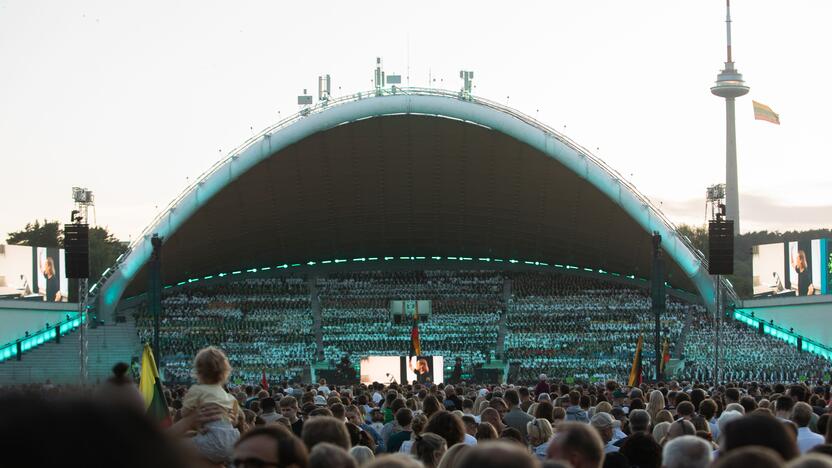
pixel 33 273
pixel 383 369
pixel 424 369
pixel 399 369
pixel 796 268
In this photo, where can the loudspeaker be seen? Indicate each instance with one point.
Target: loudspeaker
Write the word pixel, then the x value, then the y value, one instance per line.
pixel 800 343
pixel 333 377
pixel 77 245
pixel 488 375
pixel 721 247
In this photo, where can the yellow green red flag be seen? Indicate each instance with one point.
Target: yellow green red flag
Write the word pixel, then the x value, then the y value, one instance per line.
pixel 635 370
pixel 150 386
pixel 764 112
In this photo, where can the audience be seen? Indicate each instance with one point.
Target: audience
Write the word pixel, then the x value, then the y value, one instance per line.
pixel 266 325
pixel 569 342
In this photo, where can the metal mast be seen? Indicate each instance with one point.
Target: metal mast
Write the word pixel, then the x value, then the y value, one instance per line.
pixel 83 199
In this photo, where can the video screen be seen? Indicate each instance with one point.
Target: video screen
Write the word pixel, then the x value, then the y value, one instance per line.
pixel 424 369
pixel 797 268
pixel 382 369
pixel 33 273
pixel 407 310
pixel 401 369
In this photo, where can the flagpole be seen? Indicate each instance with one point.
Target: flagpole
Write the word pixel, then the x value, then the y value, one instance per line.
pixel 717 327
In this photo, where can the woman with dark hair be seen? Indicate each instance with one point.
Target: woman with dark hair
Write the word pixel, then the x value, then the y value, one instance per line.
pixel 120 390
pixel 429 448
pixel 448 426
pixel 431 405
pixel 759 430
pixel 272 445
pixel 485 431
pixel 511 434
pixel 545 411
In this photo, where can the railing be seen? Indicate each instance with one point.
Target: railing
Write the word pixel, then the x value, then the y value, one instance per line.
pixel 324 105
pixel 49 332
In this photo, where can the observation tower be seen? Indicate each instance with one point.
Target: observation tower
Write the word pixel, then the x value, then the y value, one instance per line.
pixel 729 85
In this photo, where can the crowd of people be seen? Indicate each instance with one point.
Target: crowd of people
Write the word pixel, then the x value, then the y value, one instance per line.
pixel 215 423
pixel 748 355
pixel 580 327
pixel 264 324
pixel 463 321
pixel 569 326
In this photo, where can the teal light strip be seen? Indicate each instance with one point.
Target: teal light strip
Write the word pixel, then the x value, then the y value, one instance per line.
pixel 781 333
pixel 313 263
pixel 40 337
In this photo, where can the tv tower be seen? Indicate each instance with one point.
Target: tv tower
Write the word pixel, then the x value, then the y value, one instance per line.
pixel 729 85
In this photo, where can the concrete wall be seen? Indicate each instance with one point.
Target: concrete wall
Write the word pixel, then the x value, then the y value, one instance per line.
pixel 812 319
pixel 18 317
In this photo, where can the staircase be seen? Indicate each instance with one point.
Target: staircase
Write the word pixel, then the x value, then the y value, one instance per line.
pixel 680 344
pixel 60 362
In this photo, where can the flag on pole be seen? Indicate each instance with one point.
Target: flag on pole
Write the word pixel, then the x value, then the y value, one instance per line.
pixel 263 382
pixel 665 356
pixel 415 344
pixel 150 386
pixel 764 112
pixel 635 371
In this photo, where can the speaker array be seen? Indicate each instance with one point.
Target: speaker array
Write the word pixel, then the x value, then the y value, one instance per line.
pixel 77 245
pixel 721 247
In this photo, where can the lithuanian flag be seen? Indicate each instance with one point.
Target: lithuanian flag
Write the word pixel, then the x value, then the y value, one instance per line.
pixel 150 386
pixel 764 112
pixel 635 371
pixel 415 342
pixel 665 356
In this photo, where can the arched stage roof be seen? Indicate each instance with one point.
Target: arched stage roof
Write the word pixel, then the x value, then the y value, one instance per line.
pixel 407 172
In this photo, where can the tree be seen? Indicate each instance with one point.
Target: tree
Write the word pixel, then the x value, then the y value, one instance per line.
pixel 697 235
pixel 48 234
pixel 104 250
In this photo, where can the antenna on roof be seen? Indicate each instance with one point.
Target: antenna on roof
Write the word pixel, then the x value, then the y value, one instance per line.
pixel 324 88
pixel 467 80
pixel 304 101
pixel 378 78
pixel 728 27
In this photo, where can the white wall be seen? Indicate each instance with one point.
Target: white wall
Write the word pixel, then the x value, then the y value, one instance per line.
pixel 16 317
pixel 812 320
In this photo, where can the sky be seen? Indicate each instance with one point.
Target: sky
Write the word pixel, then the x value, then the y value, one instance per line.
pixel 133 100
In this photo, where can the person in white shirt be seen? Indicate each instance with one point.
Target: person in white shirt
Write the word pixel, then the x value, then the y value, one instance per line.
pixel 806 439
pixel 322 387
pixel 377 397
pixel 269 408
pixel 603 423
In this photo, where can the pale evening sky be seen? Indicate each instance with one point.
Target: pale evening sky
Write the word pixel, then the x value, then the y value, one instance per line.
pixel 135 99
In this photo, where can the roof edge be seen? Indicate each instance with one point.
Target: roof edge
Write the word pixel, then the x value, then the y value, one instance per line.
pixel 406 101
